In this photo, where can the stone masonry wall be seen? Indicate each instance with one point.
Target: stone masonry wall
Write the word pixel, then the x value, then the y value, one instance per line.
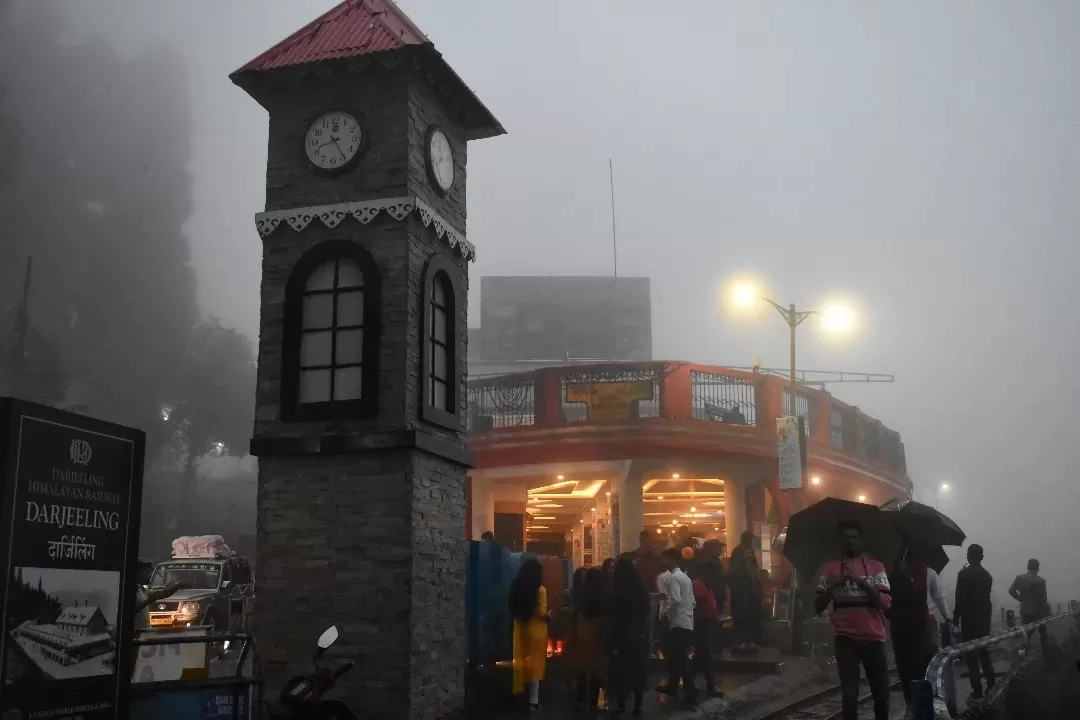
pixel 335 547
pixel 437 671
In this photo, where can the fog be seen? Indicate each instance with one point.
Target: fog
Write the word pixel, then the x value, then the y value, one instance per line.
pixel 921 156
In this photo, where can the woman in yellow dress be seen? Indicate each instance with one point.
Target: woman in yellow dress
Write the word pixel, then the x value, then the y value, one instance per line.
pixel 528 607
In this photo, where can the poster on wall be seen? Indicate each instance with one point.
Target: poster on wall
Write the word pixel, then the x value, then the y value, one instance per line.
pixel 71 503
pixel 603 540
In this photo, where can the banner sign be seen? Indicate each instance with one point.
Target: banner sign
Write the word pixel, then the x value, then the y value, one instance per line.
pixel 72 495
pixel 603 540
pixel 789 443
pixel 610 401
pixel 616 522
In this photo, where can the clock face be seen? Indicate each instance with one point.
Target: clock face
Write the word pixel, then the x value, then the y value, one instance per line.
pixel 440 160
pixel 333 141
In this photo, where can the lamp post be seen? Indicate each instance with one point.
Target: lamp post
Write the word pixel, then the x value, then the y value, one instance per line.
pixel 935 493
pixel 794 318
pixel 837 319
pixel 748 295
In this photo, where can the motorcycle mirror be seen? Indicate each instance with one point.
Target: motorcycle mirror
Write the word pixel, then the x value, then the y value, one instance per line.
pixel 328 638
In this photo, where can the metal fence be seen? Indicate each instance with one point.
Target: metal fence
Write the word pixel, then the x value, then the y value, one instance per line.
pixel 1009 651
pixel 722 398
pixel 504 401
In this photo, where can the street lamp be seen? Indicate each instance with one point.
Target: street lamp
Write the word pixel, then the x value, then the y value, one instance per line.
pixel 935 493
pixel 838 318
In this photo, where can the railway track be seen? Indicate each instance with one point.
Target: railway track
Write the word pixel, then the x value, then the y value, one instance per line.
pixel 821 705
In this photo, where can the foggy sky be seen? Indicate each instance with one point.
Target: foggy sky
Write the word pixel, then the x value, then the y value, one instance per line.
pixel 920 155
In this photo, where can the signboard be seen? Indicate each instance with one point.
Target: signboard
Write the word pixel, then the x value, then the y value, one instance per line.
pixel 553 318
pixel 168 662
pixel 789 442
pixel 610 401
pixel 72 493
pixel 193 704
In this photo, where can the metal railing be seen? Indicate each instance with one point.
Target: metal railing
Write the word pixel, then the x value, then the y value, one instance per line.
pixel 1010 651
pixel 680 391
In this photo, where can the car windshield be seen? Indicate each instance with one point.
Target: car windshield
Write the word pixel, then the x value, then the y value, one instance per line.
pixel 200 576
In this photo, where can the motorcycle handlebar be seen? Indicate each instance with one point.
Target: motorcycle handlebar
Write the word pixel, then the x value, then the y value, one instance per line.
pixel 338 672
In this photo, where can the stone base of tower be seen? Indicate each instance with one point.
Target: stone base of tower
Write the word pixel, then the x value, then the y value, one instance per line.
pixel 375 544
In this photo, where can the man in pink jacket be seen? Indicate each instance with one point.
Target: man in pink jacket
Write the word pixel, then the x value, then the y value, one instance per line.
pixel 857 587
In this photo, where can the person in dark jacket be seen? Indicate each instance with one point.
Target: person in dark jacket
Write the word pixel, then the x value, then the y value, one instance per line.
pixel 972 610
pixel 746 610
pixel 589 659
pixel 706 626
pixel 1029 590
pixel 628 644
pixel 909 617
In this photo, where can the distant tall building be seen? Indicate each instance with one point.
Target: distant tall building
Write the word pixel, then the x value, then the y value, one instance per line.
pixel 531 322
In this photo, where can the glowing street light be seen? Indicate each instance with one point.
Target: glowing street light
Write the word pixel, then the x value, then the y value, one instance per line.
pixel 944 487
pixel 815 480
pixel 862 498
pixel 838 318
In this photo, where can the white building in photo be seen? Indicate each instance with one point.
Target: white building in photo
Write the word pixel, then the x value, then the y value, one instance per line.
pixel 79 633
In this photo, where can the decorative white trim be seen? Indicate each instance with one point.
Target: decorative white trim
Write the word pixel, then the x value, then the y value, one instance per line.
pixel 364 212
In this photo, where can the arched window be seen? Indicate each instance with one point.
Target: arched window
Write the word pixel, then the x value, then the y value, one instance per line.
pixel 329 368
pixel 439 363
pixel 441 349
pixel 332 334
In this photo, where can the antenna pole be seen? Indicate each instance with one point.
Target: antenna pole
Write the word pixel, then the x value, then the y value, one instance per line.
pixel 22 328
pixel 614 241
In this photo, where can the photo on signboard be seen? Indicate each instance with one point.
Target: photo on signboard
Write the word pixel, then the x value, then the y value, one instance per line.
pixel 62 624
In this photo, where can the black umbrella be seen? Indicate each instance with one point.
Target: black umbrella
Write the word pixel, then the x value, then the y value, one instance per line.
pixel 924 524
pixel 813 534
pixel 932 556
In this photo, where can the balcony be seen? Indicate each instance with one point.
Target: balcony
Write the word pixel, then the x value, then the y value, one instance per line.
pixel 746 403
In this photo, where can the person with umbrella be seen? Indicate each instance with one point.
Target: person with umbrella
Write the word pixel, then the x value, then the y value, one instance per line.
pixel 857 588
pixel 909 616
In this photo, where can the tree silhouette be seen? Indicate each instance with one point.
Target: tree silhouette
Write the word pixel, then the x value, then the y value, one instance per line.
pixel 101 207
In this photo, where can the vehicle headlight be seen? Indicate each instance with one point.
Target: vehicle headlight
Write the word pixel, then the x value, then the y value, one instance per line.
pixel 189 608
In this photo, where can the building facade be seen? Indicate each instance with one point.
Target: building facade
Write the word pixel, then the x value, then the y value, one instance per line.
pixel 587 457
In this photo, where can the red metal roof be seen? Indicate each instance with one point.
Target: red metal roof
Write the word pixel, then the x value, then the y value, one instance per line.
pixel 352 29
pixel 362 27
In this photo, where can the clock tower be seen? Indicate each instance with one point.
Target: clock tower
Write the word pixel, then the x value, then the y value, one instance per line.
pixel 360 405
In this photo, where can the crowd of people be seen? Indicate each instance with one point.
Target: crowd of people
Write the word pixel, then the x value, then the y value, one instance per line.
pixel 608 619
pixel 867 602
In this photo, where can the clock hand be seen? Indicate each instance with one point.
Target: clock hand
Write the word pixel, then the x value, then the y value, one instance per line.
pixel 339 149
pixel 330 142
